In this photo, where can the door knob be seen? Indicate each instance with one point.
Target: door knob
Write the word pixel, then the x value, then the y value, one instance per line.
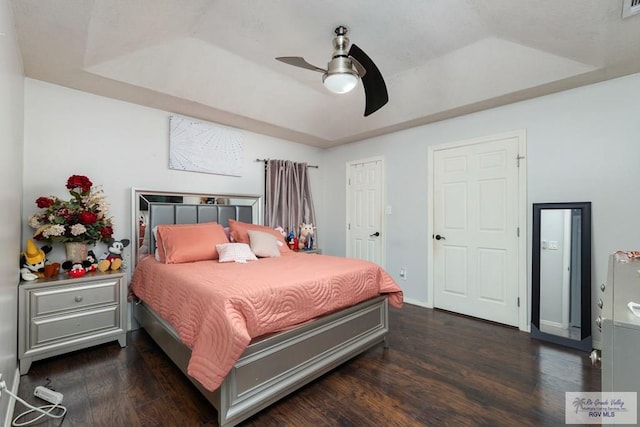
pixel 439 237
pixel 376 234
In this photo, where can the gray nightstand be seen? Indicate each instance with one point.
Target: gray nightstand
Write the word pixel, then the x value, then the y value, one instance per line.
pixel 59 315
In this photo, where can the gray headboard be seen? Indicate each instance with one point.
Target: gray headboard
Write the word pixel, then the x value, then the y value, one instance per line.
pixel 153 208
pixel 169 213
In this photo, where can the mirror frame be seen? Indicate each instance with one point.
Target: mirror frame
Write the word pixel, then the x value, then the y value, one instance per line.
pixel 585 288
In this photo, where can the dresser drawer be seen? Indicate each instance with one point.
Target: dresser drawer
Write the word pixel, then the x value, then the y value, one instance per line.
pixel 51 300
pixel 51 330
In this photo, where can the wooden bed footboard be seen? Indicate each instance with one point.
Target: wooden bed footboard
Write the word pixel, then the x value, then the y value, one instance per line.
pixel 278 364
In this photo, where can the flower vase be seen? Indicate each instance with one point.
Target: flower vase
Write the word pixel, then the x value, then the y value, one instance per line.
pixel 76 251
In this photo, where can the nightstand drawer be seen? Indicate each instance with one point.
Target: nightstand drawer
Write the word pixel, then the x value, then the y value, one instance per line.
pixel 52 330
pixel 51 300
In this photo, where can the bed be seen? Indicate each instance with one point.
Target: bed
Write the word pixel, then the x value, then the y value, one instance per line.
pixel 269 358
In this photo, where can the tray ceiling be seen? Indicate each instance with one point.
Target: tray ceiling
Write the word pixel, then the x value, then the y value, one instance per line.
pixel 214 60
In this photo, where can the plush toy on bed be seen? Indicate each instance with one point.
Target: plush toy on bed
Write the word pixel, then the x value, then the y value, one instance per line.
pixel 113 259
pixel 281 231
pixel 33 260
pixel 306 236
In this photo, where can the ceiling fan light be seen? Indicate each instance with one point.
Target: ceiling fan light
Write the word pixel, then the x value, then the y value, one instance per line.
pixel 340 82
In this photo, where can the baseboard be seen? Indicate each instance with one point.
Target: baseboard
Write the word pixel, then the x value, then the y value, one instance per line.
pixel 8 420
pixel 419 303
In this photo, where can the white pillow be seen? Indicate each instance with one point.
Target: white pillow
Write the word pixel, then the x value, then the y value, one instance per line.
pixel 263 244
pixel 235 252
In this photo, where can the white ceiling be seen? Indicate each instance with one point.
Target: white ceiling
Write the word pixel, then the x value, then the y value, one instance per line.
pixel 214 59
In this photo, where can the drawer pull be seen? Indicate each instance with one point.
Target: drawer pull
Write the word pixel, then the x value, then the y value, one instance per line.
pixel 600 303
pixel 602 287
pixel 79 298
pixel 599 321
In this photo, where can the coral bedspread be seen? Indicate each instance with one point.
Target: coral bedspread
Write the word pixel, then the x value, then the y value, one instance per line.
pixel 217 308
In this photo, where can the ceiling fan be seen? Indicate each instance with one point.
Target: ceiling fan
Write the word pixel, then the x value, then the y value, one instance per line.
pixel 345 68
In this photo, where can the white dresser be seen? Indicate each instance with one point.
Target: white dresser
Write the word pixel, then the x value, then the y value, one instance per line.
pixel 61 314
pixel 620 327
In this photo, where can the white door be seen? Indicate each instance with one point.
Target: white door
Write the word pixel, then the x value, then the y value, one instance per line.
pixel 364 210
pixel 475 224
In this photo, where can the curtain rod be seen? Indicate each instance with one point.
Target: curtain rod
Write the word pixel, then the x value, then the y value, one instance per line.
pixel 266 160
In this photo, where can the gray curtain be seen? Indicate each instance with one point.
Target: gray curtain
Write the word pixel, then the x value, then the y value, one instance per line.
pixel 288 195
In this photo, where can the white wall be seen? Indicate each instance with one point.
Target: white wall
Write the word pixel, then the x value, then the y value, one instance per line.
pixel 11 135
pixel 121 145
pixel 583 145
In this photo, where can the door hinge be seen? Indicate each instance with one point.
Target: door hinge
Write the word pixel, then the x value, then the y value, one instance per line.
pixel 518 301
pixel 348 226
pixel 518 231
pixel 518 158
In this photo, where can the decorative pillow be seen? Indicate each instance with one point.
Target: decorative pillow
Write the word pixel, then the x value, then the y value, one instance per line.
pixel 239 233
pixel 264 245
pixel 235 252
pixel 180 243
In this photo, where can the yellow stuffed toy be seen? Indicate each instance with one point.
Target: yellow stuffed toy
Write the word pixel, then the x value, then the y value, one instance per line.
pixel 32 261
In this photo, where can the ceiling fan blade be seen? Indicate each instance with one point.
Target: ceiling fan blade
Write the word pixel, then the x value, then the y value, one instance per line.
pixel 375 90
pixel 298 61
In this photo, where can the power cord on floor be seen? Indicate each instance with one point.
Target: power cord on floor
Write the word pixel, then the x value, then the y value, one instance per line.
pixel 44 410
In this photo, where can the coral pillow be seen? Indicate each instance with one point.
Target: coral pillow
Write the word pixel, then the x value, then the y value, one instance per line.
pixel 264 245
pixel 180 243
pixel 235 252
pixel 239 232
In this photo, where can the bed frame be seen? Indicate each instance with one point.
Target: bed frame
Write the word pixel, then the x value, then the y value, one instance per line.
pixel 272 366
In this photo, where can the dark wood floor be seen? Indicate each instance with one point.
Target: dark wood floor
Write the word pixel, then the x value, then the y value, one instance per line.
pixel 441 369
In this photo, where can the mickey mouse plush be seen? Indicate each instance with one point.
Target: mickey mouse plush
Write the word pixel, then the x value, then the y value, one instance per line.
pixel 93 261
pixel 76 269
pixel 79 268
pixel 32 261
pixel 113 261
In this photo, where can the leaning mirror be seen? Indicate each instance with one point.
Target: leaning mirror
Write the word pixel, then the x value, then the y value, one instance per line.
pixel 561 274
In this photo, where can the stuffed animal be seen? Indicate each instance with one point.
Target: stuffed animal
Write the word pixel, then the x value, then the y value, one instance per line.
pixel 76 269
pixel 93 260
pixel 306 236
pixel 52 269
pixel 32 261
pixel 113 259
pixel 292 241
pixel 281 231
pixel 79 268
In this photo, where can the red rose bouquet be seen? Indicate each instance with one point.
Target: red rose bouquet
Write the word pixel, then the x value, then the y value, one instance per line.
pixel 81 219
